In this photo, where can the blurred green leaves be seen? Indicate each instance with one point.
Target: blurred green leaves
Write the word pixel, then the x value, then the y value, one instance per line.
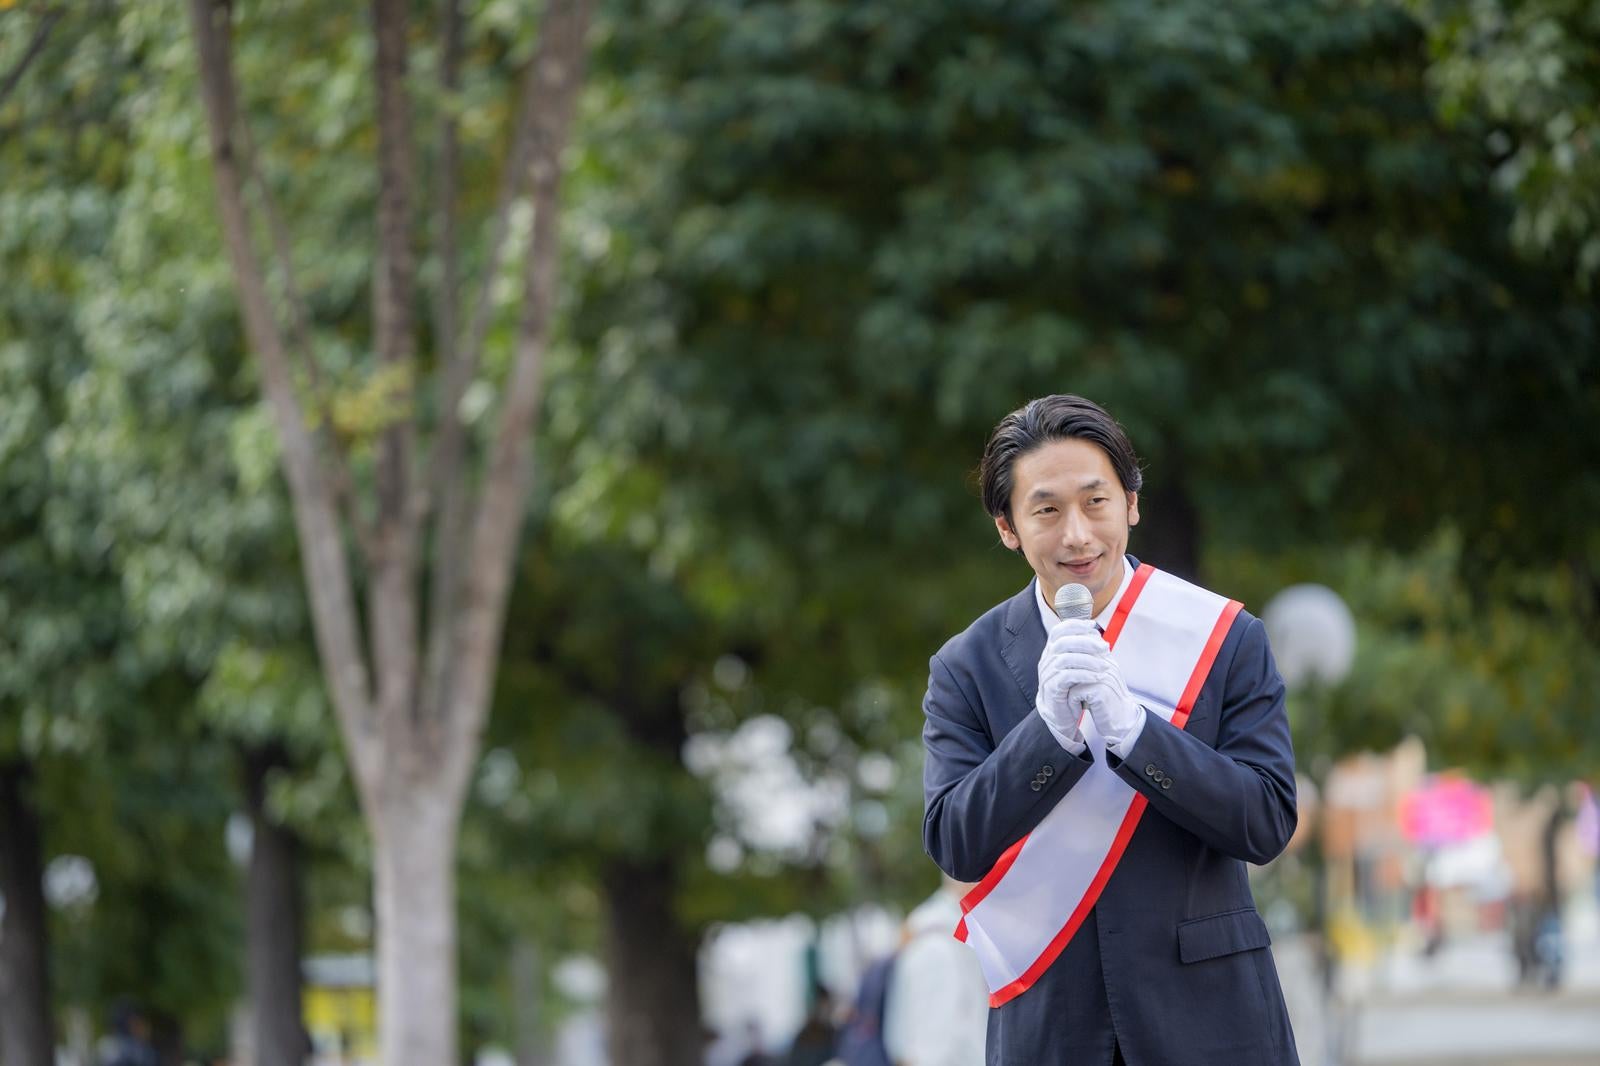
pixel 1523 74
pixel 1495 673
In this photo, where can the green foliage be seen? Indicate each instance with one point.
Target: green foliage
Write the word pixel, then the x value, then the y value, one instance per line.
pixel 867 231
pixel 62 614
pixel 1524 71
pixel 149 810
pixel 1497 680
pixel 83 693
pixel 152 611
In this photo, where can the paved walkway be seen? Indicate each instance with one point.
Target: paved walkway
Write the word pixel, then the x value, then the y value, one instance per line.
pixel 1459 1007
pixel 1531 1030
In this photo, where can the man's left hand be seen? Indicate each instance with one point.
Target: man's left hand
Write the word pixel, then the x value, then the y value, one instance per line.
pixel 1096 681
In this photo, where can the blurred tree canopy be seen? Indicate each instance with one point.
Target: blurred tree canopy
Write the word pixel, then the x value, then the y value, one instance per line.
pixel 858 234
pixel 828 245
pixel 143 499
pixel 94 693
pixel 1500 684
pixel 1525 72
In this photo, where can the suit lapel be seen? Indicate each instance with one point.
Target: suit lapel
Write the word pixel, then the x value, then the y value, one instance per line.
pixel 1023 644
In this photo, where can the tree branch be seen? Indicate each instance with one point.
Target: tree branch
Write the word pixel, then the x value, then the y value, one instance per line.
pixel 316 521
pixel 333 449
pixel 392 613
pixel 444 464
pixel 497 518
pixel 13 78
pixel 446 571
pixel 394 285
pixel 445 486
pixel 448 296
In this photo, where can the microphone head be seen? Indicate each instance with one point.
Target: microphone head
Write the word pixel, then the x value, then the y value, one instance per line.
pixel 1074 601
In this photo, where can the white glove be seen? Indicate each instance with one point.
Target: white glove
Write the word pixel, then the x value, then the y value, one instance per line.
pixel 1094 681
pixel 1060 713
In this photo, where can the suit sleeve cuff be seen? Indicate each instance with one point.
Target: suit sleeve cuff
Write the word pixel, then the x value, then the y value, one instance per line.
pixel 1073 745
pixel 1126 742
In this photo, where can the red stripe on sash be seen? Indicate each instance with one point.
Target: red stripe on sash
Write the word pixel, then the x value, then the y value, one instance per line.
pixel 1130 821
pixel 1197 680
pixel 984 887
pixel 1009 856
pixel 1058 943
pixel 1125 605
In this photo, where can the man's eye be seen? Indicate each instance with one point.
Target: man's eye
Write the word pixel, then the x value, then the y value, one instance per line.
pixel 1045 510
pixel 1098 499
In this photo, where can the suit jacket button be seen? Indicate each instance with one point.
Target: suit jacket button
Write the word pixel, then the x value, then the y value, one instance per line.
pixel 1149 769
pixel 1048 770
pixel 1037 784
pixel 1166 782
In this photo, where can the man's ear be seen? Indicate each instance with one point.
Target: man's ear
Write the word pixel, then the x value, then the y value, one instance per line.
pixel 1008 536
pixel 1133 508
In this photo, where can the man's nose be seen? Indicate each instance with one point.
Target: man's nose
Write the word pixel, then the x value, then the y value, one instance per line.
pixel 1075 527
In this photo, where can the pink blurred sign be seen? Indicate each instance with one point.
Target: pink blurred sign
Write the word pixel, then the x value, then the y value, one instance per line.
pixel 1446 810
pixel 1588 821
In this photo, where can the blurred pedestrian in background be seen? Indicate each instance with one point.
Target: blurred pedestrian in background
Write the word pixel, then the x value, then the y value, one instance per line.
pixel 815 1042
pixel 755 1051
pixel 740 1047
pixel 861 1041
pixel 938 1006
pixel 129 1041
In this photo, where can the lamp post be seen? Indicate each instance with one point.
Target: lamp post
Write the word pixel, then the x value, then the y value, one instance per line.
pixel 1313 636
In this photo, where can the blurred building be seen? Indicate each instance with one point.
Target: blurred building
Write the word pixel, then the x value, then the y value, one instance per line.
pixel 1413 857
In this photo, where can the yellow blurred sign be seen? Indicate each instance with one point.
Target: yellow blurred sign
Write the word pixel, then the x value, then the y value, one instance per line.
pixel 341 1010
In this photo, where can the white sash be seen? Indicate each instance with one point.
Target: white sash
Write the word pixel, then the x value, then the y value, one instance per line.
pixel 1165 635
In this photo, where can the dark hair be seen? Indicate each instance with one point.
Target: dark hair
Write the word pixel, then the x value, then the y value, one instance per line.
pixel 1040 421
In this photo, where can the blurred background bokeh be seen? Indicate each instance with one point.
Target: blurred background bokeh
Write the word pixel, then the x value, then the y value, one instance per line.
pixel 1333 265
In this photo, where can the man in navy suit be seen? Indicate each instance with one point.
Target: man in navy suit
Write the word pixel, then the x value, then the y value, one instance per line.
pixel 1165 960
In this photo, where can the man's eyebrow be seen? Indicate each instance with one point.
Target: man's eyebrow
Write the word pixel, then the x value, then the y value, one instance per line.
pixel 1045 492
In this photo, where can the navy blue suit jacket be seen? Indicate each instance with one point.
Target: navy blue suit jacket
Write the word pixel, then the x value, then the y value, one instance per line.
pixel 1172 962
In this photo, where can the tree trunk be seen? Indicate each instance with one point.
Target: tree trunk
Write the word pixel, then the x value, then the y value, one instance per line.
pixel 273 924
pixel 26 1036
pixel 1168 534
pixel 414 847
pixel 528 994
pixel 654 999
pixel 166 1039
pixel 411 738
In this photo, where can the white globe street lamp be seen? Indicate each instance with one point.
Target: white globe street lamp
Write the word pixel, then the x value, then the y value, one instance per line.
pixel 1313 635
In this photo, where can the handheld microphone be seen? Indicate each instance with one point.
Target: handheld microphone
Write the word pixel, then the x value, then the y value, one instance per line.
pixel 1074 601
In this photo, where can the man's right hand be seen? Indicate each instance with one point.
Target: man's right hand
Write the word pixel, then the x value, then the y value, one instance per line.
pixel 1054 704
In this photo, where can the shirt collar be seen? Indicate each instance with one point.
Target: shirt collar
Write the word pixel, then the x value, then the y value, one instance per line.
pixel 1047 613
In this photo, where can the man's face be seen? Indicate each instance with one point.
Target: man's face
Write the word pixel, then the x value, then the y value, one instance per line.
pixel 1070 517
